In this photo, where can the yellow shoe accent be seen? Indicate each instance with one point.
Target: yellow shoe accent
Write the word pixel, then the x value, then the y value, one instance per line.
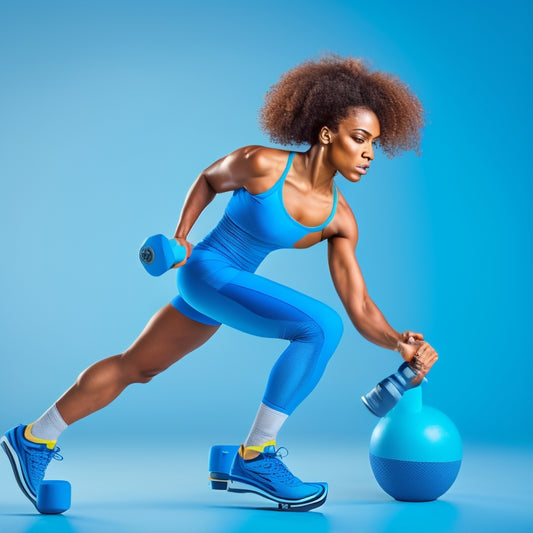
pixel 251 452
pixel 50 444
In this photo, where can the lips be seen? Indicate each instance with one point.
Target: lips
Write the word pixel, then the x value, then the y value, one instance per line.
pixel 362 168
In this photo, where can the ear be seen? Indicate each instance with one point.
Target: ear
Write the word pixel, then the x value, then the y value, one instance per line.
pixel 325 135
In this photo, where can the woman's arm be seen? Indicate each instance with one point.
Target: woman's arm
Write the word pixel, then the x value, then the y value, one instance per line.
pixel 232 172
pixel 363 312
pixel 352 290
pixel 227 174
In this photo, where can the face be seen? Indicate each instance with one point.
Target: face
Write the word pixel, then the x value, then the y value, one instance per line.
pixel 350 149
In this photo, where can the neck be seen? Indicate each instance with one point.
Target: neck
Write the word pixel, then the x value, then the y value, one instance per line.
pixel 317 169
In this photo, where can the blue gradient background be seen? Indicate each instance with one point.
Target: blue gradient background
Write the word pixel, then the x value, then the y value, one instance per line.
pixel 109 110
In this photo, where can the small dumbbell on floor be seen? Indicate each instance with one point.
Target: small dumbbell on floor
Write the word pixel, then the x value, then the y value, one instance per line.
pixel 54 497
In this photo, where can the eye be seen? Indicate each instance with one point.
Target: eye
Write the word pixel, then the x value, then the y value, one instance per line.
pixel 359 140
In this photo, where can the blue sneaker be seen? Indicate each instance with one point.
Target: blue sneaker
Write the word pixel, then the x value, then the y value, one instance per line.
pixel 265 474
pixel 28 460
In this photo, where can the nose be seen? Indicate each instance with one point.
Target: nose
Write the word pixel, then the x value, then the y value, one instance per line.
pixel 368 153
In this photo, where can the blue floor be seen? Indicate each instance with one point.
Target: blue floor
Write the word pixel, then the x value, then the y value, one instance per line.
pixel 119 489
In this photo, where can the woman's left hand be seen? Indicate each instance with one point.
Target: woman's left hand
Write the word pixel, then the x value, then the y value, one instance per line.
pixel 420 355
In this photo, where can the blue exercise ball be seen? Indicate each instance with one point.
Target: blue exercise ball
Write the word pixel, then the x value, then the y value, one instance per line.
pixel 415 451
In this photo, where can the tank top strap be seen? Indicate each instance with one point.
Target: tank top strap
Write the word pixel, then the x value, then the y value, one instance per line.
pixel 278 186
pixel 287 167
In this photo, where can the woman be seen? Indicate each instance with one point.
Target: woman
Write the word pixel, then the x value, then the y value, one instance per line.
pixel 280 200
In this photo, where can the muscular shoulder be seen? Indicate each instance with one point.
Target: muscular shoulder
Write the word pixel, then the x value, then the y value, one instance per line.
pixel 252 167
pixel 260 167
pixel 261 161
pixel 343 224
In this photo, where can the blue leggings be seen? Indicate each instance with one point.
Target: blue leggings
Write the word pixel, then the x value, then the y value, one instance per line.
pixel 214 291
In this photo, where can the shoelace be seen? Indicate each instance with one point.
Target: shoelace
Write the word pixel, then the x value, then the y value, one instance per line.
pixel 279 454
pixel 39 460
pixel 274 463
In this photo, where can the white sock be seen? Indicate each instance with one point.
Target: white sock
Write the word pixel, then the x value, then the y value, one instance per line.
pixel 49 426
pixel 266 425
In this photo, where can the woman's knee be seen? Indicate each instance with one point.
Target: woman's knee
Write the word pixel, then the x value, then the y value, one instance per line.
pixel 325 326
pixel 146 375
pixel 135 371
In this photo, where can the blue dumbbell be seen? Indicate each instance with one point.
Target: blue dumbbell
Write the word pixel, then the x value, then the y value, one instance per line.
pixel 159 254
pixel 53 497
pixel 387 393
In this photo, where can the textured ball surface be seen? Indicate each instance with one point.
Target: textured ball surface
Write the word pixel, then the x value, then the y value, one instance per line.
pixel 413 481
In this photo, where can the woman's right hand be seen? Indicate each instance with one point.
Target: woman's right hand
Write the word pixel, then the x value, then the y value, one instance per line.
pixel 188 250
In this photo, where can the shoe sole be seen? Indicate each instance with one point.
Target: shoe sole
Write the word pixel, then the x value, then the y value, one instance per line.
pixel 304 504
pixel 17 469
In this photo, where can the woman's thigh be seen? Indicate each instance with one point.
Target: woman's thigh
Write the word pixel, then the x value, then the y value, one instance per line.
pixel 258 306
pixel 168 336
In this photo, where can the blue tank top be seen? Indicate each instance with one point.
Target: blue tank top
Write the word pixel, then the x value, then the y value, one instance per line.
pixel 253 225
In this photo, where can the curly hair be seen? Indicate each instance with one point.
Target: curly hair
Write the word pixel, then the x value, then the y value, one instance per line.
pixel 320 93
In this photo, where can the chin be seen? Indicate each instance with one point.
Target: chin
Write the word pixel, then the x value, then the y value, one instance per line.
pixel 353 177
